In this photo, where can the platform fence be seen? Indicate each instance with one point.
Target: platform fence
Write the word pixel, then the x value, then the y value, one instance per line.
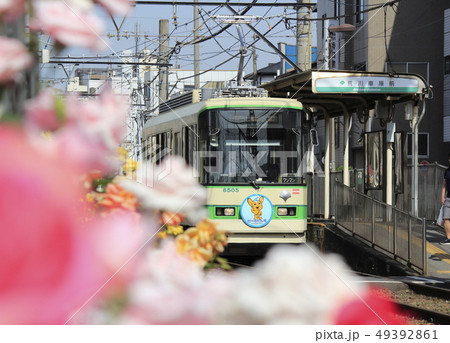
pixel 384 227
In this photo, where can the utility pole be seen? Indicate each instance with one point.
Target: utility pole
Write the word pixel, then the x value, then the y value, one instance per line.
pixel 14 96
pixel 196 50
pixel 304 34
pixel 255 67
pixel 163 58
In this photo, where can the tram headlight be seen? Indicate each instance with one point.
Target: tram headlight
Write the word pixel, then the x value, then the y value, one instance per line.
pixel 224 211
pixel 228 211
pixel 282 211
pixel 286 211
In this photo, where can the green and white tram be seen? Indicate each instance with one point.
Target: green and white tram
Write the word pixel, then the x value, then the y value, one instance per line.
pixel 249 152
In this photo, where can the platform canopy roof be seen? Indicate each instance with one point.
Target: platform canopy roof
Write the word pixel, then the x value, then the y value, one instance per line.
pixel 335 92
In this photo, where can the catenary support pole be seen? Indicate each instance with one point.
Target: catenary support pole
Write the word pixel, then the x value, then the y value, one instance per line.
pixel 327 163
pixel 196 50
pixel 415 152
pixel 163 57
pixel 304 35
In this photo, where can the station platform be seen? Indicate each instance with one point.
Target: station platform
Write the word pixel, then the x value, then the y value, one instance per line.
pixel 438 256
pixel 366 260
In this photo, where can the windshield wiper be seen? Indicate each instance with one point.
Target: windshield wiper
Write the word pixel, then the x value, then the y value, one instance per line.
pixel 251 182
pixel 254 184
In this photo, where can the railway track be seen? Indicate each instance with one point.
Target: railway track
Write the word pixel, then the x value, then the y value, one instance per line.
pixel 425 302
pixel 429 290
pixel 432 317
pixel 418 302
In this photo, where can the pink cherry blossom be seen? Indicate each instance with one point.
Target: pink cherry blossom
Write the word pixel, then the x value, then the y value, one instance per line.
pixel 120 239
pixel 101 119
pixel 14 58
pixel 93 128
pixel 116 7
pixel 46 259
pixel 41 112
pixel 68 24
pixel 55 264
pixel 11 9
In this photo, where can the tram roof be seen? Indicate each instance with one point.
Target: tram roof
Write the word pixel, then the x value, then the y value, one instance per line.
pixel 334 92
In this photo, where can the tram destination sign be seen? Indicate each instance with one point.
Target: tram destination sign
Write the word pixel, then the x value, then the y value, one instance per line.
pixel 344 83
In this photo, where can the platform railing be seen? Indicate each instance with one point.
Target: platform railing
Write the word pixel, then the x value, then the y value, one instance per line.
pixel 391 231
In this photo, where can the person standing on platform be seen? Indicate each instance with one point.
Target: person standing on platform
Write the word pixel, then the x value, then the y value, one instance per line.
pixel 445 200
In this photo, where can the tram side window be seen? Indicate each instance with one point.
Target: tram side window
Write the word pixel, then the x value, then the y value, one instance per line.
pixel 156 148
pixel 144 148
pixel 162 146
pixel 190 143
pixel 169 142
pixel 146 151
pixel 176 143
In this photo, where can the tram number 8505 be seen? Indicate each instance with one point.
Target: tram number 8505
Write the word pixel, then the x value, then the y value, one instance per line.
pixel 231 190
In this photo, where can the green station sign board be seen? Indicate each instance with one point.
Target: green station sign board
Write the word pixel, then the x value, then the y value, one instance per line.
pixel 345 83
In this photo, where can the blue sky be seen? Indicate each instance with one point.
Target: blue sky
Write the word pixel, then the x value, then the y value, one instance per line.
pixel 144 21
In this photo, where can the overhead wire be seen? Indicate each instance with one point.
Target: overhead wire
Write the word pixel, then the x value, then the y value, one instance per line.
pixel 343 16
pixel 234 56
pixel 213 35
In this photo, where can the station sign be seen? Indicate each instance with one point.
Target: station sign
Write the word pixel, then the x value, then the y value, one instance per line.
pixel 367 84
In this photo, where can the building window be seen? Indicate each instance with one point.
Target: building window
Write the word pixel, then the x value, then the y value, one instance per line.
pixel 447 65
pixel 423 145
pixel 359 11
pixel 420 68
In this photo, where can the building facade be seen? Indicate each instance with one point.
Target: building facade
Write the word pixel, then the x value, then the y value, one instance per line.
pixel 397 36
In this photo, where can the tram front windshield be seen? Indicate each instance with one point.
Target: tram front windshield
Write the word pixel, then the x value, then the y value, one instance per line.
pixel 250 145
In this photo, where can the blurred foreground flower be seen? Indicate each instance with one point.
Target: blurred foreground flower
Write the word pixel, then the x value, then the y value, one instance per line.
pixel 45 112
pixel 114 198
pixel 68 24
pixel 86 131
pixel 52 262
pixel 171 187
pixel 292 285
pixel 372 308
pixel 14 58
pixel 202 244
pixel 11 9
pixel 116 7
pixel 169 289
pixel 171 224
pixel 46 267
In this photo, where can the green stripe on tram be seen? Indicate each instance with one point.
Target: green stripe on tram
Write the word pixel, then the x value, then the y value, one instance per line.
pixel 237 106
pixel 301 212
pixel 268 186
